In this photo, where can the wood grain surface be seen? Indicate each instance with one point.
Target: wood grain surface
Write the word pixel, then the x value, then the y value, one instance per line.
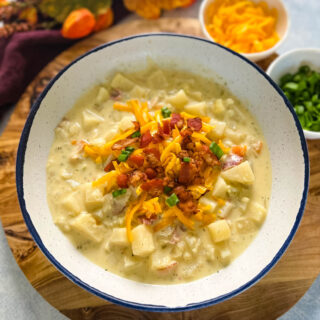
pixel 271 297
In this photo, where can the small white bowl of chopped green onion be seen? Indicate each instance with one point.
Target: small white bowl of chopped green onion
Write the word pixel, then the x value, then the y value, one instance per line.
pixel 297 72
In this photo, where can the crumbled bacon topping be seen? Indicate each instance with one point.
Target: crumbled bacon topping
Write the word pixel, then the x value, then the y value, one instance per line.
pixel 194 124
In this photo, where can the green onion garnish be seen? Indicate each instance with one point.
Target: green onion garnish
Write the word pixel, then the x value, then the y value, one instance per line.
pixel 167 190
pixel 123 157
pixel 303 90
pixel 136 134
pixel 125 154
pixel 118 192
pixel 186 159
pixel 216 150
pixel 166 113
pixel 172 200
pixel 129 149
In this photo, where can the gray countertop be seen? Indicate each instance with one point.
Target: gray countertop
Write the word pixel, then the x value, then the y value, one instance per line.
pixel 18 300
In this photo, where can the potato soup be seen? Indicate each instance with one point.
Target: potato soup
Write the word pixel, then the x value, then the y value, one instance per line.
pixel 159 176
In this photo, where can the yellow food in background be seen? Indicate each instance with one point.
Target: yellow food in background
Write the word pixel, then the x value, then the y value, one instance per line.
pixel 242 25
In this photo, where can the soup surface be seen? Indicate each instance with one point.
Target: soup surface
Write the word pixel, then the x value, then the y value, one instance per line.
pixel 159 176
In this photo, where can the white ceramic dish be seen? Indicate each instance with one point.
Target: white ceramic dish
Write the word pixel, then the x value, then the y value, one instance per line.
pixel 282 27
pixel 290 62
pixel 251 85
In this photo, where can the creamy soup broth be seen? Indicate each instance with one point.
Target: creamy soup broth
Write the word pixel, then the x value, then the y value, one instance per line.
pixel 230 211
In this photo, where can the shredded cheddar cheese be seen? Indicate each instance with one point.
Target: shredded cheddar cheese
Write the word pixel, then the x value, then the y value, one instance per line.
pixel 242 25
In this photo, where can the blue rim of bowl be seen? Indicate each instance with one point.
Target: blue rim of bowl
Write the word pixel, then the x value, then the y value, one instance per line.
pixel 103 295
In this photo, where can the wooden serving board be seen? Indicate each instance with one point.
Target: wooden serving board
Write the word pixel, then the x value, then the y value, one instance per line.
pixel 268 299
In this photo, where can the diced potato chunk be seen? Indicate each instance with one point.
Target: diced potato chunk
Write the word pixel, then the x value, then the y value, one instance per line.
pixel 86 226
pixel 90 119
pixel 178 100
pixel 126 123
pixel 241 174
pixel 73 202
pixel 225 210
pixel 218 130
pixel 161 260
pixel 138 92
pixel 219 230
pixel 122 83
pixel 142 244
pixel 102 95
pixel 93 198
pixel 257 212
pixel 130 263
pixel 220 188
pixel 197 108
pixel 119 237
pixel 157 79
pixel 218 107
pixel 209 203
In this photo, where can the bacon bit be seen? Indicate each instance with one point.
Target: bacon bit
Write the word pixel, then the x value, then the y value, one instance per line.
pixel 137 177
pixel 122 180
pixel 124 143
pixel 194 124
pixel 153 151
pixel 185 174
pixel 146 138
pixel 109 167
pixel 189 207
pixel 166 127
pixel 115 94
pixel 182 193
pixel 137 160
pixel 152 184
pixel 176 120
pixel 258 146
pixel 136 125
pixel 151 173
pixel 232 161
pixel 186 132
pixel 239 150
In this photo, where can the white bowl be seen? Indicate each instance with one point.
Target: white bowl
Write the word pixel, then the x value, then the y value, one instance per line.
pixel 290 62
pixel 245 80
pixel 282 27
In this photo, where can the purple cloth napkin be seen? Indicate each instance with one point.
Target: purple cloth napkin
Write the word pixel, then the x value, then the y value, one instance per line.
pixel 24 54
pixel 21 58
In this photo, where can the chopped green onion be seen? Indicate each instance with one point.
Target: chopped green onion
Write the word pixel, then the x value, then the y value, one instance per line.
pixel 166 113
pixel 130 149
pixel 125 154
pixel 186 159
pixel 118 192
pixel 216 150
pixel 136 134
pixel 303 90
pixel 172 200
pixel 167 190
pixel 299 109
pixel 123 157
pixel 291 86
